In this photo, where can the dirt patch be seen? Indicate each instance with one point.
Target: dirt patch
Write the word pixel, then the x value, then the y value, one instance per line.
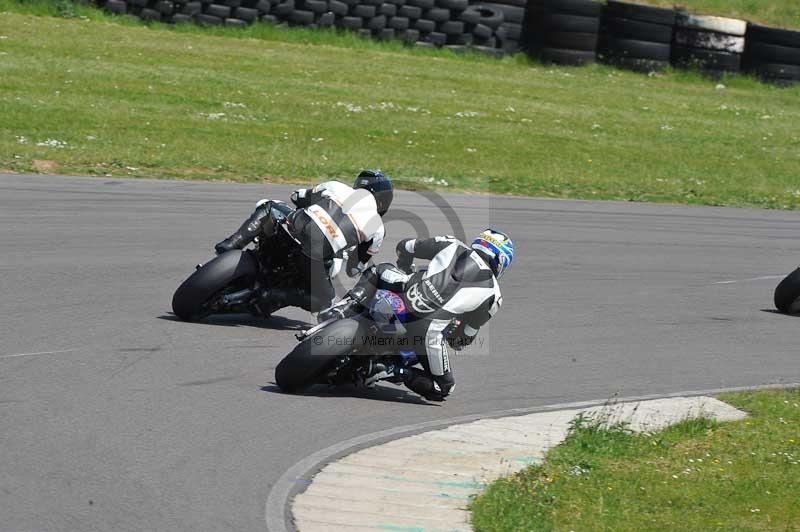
pixel 44 166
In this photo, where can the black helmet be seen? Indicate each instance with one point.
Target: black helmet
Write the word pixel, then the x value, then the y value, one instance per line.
pixel 380 186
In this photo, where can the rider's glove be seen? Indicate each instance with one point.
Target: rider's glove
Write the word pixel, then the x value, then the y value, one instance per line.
pixel 337 311
pixel 226 245
pixel 456 336
pixel 406 264
pixel 405 259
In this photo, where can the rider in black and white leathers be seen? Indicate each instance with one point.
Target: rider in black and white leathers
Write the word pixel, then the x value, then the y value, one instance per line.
pixel 331 220
pixel 449 303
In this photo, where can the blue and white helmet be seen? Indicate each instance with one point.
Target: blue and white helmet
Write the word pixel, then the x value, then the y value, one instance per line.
pixel 496 246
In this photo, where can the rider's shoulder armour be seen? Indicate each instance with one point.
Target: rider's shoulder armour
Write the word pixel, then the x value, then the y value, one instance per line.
pixel 469 268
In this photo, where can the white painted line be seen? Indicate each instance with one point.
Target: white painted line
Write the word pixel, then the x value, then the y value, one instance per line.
pixel 39 353
pixel 751 279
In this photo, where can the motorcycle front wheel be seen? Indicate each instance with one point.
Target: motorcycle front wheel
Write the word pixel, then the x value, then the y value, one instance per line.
pixel 787 294
pixel 316 355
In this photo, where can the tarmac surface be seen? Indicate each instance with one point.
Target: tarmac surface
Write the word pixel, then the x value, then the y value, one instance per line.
pixel 115 416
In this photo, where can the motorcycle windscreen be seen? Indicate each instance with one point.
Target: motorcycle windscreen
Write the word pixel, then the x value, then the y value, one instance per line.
pixel 388 311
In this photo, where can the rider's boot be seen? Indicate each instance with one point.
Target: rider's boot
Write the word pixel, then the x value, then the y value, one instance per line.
pixel 273 299
pixel 424 384
pixel 247 232
pixel 373 373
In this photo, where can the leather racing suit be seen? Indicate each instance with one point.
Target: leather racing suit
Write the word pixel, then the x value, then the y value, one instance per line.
pixel 449 302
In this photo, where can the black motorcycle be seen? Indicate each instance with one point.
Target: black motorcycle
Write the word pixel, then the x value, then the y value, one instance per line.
pixel 787 294
pixel 232 281
pixel 362 347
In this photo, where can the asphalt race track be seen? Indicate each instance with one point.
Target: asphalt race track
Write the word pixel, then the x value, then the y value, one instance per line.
pixel 115 416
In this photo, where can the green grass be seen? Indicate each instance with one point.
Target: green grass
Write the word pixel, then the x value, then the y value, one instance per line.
pixel 694 476
pixel 271 104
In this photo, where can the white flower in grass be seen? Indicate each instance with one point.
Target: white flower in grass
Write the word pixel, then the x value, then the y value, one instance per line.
pixel 466 114
pixel 91 137
pixel 22 140
pixel 667 127
pixel 229 105
pixel 511 109
pixel 472 150
pixel 595 126
pixel 349 107
pixel 719 87
pixel 52 143
pixel 317 139
pixel 754 510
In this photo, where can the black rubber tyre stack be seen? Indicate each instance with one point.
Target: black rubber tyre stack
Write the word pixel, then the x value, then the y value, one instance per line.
pixel 117 7
pixel 713 45
pixel 508 34
pixel 420 25
pixel 204 19
pixel 149 15
pixel 563 32
pixel 247 14
pixel 773 54
pixel 190 9
pixel 636 37
pixel 481 24
pixel 306 13
pixel 403 22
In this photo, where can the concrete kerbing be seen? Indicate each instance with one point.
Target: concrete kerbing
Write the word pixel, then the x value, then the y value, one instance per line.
pixel 423 482
pixel 298 477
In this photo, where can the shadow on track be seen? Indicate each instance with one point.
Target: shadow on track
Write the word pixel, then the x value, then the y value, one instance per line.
pixel 778 312
pixel 379 393
pixel 274 323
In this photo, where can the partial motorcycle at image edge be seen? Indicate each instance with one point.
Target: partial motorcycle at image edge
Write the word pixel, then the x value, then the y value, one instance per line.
pixel 787 294
pixel 364 346
pixel 232 281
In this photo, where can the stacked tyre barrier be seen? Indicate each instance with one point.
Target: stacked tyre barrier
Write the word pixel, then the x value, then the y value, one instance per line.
pixel 637 37
pixel 568 32
pixel 457 24
pixel 234 13
pixel 773 54
pixel 507 33
pixel 711 44
pixel 563 32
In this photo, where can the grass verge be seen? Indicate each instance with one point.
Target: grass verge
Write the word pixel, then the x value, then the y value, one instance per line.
pixel 97 95
pixel 697 475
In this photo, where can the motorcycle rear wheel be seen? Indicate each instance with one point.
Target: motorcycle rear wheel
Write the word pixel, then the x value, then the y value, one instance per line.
pixel 233 268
